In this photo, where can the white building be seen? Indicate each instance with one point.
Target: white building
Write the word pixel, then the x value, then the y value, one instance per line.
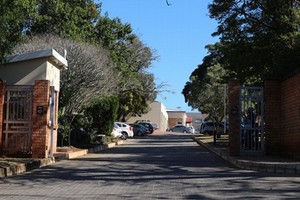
pixel 157 115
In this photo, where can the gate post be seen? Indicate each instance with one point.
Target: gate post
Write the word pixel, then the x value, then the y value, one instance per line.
pixel 273 117
pixel 2 96
pixel 40 118
pixel 234 117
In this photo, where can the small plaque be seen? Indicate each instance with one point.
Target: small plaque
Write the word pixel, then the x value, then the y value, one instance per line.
pixel 39 110
pixel 234 110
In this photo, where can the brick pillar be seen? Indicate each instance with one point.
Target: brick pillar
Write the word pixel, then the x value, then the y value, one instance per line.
pixel 272 117
pixel 2 96
pixel 234 117
pixel 40 129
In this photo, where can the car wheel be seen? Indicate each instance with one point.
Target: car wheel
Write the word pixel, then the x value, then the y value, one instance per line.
pixel 125 135
pixel 184 131
pixel 171 130
pixel 139 133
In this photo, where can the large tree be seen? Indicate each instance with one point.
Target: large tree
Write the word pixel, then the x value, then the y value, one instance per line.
pixel 15 18
pixel 91 73
pixel 205 90
pixel 81 20
pixel 132 58
pixel 67 18
pixel 258 39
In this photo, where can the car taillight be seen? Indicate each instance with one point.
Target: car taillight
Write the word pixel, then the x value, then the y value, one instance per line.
pixel 130 128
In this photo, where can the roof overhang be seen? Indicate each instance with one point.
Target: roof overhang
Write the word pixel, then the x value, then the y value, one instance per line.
pixel 51 54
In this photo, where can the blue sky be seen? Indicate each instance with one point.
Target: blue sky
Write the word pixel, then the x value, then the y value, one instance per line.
pixel 178 33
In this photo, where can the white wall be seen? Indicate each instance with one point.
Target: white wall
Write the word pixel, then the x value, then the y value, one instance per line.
pixel 157 114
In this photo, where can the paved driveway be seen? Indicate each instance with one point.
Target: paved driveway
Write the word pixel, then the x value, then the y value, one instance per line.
pixel 162 166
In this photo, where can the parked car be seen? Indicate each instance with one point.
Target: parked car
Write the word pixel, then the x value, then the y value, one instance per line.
pixel 126 130
pixel 191 129
pixel 117 132
pixel 140 130
pixel 148 125
pixel 209 128
pixel 180 128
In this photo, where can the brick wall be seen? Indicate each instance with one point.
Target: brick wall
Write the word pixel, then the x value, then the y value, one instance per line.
pixel 234 117
pixel 40 129
pixel 272 117
pixel 282 116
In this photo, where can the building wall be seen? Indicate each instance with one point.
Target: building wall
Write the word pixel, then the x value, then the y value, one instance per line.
pixel 176 117
pixel 282 116
pixel 157 114
pixel 26 72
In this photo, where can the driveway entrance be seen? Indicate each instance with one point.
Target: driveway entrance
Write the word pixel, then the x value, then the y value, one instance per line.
pixel 160 166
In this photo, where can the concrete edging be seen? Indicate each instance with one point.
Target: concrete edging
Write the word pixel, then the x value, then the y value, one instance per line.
pixel 23 167
pixel 283 168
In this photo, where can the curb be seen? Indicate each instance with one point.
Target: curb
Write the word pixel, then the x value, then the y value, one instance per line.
pixel 24 167
pixel 21 168
pixel 280 168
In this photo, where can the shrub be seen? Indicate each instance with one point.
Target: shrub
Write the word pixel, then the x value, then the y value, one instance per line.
pixel 103 113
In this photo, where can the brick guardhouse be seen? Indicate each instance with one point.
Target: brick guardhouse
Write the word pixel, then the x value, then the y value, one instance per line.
pixel 29 89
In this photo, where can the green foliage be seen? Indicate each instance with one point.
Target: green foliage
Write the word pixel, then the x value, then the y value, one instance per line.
pixel 205 91
pixel 131 57
pixel 67 18
pixel 80 20
pixel 103 113
pixel 15 17
pixel 258 39
pixel 64 130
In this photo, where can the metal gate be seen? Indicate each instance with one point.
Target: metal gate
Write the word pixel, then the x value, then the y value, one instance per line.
pixel 252 120
pixel 17 124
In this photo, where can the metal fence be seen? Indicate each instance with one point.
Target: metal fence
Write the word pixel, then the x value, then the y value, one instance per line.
pixel 252 119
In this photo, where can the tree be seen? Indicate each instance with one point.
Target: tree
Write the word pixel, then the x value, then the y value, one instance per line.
pixel 131 57
pixel 73 19
pixel 15 17
pixel 90 74
pixel 136 100
pixel 103 108
pixel 258 39
pixel 79 20
pixel 205 91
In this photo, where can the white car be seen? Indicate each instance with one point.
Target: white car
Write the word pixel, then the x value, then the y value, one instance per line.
pixel 126 130
pixel 117 131
pixel 192 129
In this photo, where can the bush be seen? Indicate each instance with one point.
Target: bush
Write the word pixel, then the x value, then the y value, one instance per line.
pixel 103 113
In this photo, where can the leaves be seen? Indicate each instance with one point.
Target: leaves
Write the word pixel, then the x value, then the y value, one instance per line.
pixel 259 39
pixel 15 17
pixel 90 74
pixel 205 90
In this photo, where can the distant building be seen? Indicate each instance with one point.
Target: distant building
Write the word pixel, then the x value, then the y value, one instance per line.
pixel 157 115
pixel 176 117
pixel 195 119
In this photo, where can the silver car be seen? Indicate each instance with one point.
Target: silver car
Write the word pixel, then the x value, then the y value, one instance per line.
pixel 181 129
